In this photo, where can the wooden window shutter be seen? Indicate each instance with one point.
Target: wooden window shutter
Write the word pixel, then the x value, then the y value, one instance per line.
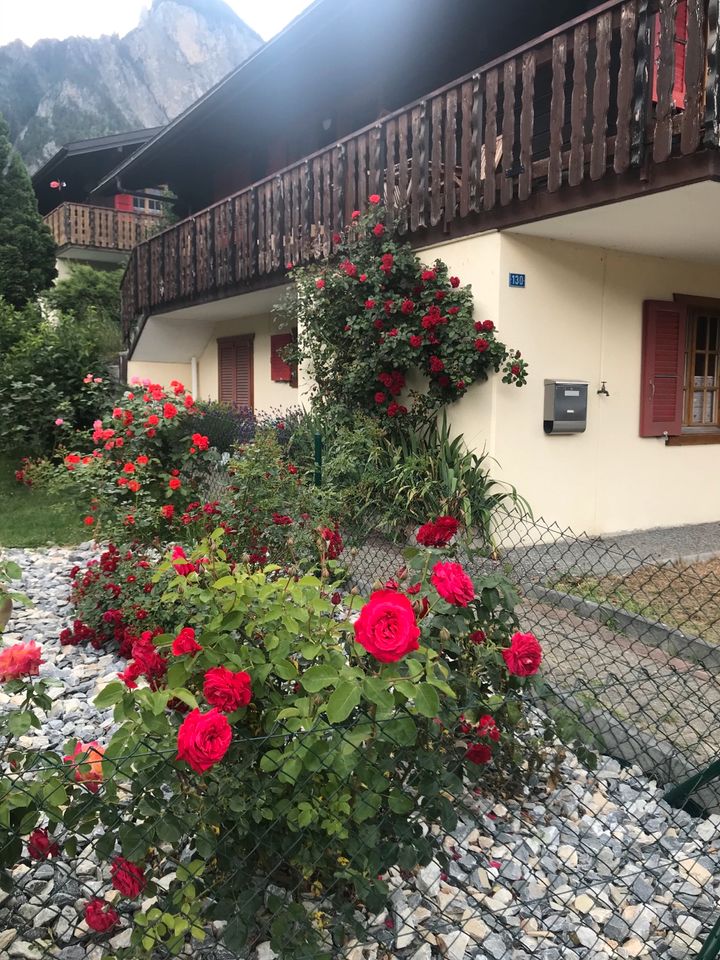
pixel 663 368
pixel 280 370
pixel 680 44
pixel 235 371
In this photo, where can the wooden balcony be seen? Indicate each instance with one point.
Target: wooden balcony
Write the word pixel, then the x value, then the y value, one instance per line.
pixel 101 228
pixel 584 115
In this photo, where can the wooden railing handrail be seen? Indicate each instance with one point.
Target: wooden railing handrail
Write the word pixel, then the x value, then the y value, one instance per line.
pixel 467 147
pixel 123 229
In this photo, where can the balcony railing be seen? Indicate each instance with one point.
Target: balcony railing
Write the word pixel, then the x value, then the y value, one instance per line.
pixel 590 101
pixel 82 225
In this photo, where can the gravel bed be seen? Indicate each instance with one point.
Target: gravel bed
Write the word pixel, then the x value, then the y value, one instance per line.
pixel 588 866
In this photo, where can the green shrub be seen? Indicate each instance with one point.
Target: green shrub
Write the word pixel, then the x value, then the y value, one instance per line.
pixel 88 294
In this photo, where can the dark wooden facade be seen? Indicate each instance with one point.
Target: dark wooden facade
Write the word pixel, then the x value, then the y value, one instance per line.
pixel 582 115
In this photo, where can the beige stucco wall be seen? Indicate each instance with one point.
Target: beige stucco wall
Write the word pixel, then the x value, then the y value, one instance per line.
pixel 161 373
pixel 580 317
pixel 268 395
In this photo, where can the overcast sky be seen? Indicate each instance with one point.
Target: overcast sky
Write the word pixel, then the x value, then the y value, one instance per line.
pixel 31 20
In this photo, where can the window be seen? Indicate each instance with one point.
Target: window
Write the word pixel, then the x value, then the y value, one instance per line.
pixel 680 376
pixel 280 370
pixel 700 408
pixel 138 203
pixel 235 371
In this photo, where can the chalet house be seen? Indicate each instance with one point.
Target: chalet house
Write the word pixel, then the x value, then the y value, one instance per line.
pixel 562 157
pixel 100 232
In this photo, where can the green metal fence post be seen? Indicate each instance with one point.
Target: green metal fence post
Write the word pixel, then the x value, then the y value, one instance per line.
pixel 318 459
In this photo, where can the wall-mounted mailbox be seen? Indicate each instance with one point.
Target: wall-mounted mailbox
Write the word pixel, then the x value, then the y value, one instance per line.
pixel 565 406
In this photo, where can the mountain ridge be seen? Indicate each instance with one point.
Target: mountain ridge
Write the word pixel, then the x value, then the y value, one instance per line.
pixel 73 89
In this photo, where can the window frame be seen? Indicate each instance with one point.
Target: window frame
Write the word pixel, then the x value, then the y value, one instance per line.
pixel 696 433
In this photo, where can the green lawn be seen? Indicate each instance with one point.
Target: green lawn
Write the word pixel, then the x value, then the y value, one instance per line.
pixel 30 518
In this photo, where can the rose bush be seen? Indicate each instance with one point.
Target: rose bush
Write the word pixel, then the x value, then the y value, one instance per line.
pixel 143 467
pixel 298 734
pixel 372 315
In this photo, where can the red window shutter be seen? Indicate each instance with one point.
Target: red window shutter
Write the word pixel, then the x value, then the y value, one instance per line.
pixel 681 28
pixel 123 201
pixel 280 370
pixel 663 368
pixel 235 371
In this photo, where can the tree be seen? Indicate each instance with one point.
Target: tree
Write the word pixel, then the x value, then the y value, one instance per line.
pixel 27 249
pixel 88 293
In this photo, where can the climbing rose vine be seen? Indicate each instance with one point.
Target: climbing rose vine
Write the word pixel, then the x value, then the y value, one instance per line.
pixel 375 322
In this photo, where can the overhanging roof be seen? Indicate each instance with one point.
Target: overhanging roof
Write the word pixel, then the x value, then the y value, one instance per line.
pixel 81 163
pixel 226 88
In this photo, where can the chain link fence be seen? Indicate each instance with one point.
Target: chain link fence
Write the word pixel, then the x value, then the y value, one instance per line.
pixel 608 848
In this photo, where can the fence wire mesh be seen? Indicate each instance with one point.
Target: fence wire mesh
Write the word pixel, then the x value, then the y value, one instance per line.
pixel 568 859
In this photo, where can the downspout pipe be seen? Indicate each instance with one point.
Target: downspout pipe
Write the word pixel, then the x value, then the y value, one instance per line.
pixel 194 377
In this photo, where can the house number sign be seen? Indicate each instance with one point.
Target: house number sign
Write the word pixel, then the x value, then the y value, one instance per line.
pixel 517 279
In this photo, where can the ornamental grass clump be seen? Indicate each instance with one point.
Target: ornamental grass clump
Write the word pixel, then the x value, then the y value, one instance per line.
pixel 284 744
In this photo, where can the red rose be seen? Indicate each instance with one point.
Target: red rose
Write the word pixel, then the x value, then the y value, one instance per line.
pixel 524 655
pixel 133 486
pixel 281 520
pixel 452 583
pixel 141 460
pixel 228 690
pixel 438 533
pixel 201 442
pixel 380 397
pixel 20 660
pixel 40 845
pixel 336 238
pixel 454 281
pixel 387 627
pixel 478 753
pixel 453 310
pixel 428 275
pixel 477 636
pixel 129 468
pixel 416 340
pixel 374 198
pixel 407 306
pixel 203 739
pixel 182 565
pixel 319 284
pixel 481 344
pixel 386 263
pixel 515 369
pixel 185 642
pixel 128 878
pixel 436 364
pixel 378 324
pixel 169 411
pixel 355 215
pixel 89 521
pixel 393 332
pixel 168 511
pixel 369 304
pixel 488 325
pixel 100 916
pixel 174 483
pixel 378 229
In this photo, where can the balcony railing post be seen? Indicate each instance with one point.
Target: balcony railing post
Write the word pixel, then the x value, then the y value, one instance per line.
pixel 67 225
pixel 641 89
pixel 193 255
pixel 712 81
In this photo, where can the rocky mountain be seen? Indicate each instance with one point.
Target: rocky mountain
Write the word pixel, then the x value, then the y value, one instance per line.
pixel 62 90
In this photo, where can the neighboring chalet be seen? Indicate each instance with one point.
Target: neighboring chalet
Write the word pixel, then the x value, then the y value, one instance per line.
pixel 103 230
pixel 562 157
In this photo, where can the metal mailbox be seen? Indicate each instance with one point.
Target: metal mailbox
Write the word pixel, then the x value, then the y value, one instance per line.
pixel 565 408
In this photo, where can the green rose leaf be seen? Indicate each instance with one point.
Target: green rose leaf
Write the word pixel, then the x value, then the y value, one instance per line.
pixel 343 701
pixel 318 677
pixel 427 701
pixel 109 695
pixel 376 692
